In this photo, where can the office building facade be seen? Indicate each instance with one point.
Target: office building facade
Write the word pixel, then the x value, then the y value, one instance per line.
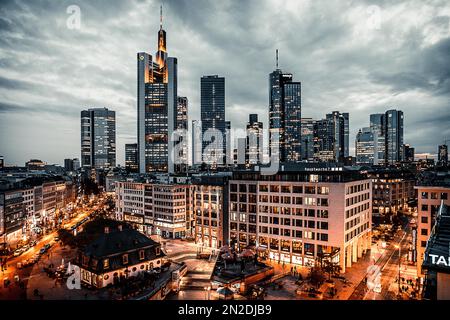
pixel 301 217
pixel 98 138
pixel 131 157
pixel 394 136
pixel 284 116
pixel 365 147
pixel 212 112
pixel 156 107
pixel 254 143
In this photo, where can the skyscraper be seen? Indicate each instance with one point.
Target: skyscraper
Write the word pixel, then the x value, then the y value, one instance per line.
pixel 394 136
pixel 212 108
pixel 338 131
pixel 181 139
pixel 365 147
pixel 254 143
pixel 196 142
pixel 307 139
pixel 98 138
pixel 131 157
pixel 408 153
pixel 443 155
pixel 377 126
pixel 71 164
pixel 323 141
pixel 156 106
pixel 285 115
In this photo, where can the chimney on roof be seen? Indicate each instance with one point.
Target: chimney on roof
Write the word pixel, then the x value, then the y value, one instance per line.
pixel 106 229
pixel 119 227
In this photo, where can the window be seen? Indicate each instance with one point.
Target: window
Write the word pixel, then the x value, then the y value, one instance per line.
pixel 424 207
pixel 125 258
pixel 141 255
pixel 424 232
pixel 157 251
pixel 423 244
pixel 424 219
pixel 424 195
pixel 106 264
pixel 434 195
pixel 444 196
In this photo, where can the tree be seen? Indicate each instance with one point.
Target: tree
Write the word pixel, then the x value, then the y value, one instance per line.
pixel 331 268
pixel 316 276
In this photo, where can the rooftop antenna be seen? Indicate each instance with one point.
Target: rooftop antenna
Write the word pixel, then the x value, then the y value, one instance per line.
pixel 277 57
pixel 160 17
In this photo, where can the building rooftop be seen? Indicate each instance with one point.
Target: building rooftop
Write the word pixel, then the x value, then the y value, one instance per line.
pixel 113 244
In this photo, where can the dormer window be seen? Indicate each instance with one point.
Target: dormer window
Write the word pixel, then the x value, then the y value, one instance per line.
pixel 106 264
pixel 125 258
pixel 157 251
pixel 85 261
pixel 141 255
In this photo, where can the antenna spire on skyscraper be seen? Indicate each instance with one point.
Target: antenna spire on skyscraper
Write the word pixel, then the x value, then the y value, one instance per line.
pixel 277 58
pixel 160 17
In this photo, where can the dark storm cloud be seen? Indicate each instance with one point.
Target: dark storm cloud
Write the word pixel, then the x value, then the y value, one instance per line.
pixel 360 57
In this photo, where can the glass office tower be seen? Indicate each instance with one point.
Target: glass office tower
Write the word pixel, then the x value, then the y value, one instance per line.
pixel 394 136
pixel 98 138
pixel 212 113
pixel 156 106
pixel 285 116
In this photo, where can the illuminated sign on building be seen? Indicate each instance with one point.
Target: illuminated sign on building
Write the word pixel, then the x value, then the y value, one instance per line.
pixel 440 260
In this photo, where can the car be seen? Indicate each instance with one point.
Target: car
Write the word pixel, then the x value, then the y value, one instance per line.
pixel 18 252
pixel 47 246
pixel 56 239
pixel 42 251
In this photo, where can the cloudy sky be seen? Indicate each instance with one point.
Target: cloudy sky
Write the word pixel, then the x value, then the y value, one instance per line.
pixel 360 57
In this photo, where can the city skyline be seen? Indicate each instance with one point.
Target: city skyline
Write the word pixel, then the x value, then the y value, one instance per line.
pixel 354 76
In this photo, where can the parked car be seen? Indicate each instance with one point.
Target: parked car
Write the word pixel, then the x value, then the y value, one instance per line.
pixel 42 251
pixel 56 238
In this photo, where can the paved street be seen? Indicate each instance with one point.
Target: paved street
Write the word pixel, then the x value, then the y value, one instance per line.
pixel 14 291
pixel 387 263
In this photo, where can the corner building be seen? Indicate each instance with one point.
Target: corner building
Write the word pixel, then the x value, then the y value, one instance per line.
pixel 302 216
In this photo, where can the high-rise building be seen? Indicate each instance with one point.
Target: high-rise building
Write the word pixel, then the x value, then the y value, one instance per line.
pixel 131 157
pixel 71 164
pixel 378 129
pixel 212 105
pixel 98 138
pixel 227 143
pixel 408 153
pixel 285 115
pixel 394 136
pixel 254 143
pixel 443 155
pixel 181 139
pixel 338 131
pixel 156 106
pixel 196 142
pixel 307 139
pixel 323 141
pixel 365 147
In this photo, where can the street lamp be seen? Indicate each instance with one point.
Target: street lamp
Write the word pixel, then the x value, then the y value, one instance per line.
pixel 397 246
